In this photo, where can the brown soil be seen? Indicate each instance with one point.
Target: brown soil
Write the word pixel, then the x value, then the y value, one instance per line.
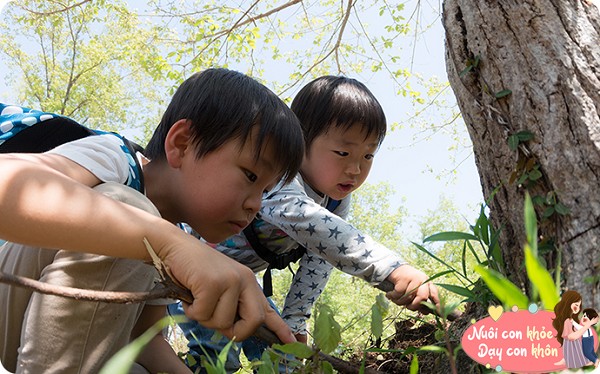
pixel 418 334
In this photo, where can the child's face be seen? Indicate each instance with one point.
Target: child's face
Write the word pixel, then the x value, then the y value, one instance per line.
pixel 339 161
pixel 584 318
pixel 223 189
pixel 576 307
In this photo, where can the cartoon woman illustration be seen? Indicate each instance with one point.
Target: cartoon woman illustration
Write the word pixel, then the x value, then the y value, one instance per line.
pixel 567 317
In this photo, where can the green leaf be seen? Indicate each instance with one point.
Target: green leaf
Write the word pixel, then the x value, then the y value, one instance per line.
pixel 122 361
pixel 473 252
pixel 456 349
pixel 551 198
pixel 513 142
pixel 414 365
pixel 433 348
pixel 541 279
pixel 326 367
pixel 327 333
pixel 457 290
pixel 549 211
pixel 376 321
pixel 266 364
pixel 463 258
pixel 297 349
pixel 465 70
pixel 423 249
pixel 530 223
pixel 450 235
pixel 502 288
pixel 535 174
pixel 483 222
pixel 501 94
pixel 562 209
pixel 538 200
pixel 524 135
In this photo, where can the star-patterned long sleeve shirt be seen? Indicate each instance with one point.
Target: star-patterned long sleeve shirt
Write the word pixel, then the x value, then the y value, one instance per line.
pixel 295 214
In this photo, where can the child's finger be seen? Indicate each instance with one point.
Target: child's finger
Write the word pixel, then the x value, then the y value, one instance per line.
pixel 277 325
pixel 421 294
pixel 202 308
pixel 434 296
pixel 226 310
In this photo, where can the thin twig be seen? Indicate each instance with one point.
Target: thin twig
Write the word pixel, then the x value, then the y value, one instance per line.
pixel 159 292
pixel 67 8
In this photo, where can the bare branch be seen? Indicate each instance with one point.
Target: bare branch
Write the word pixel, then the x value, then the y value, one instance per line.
pixel 161 291
pixel 65 9
pixel 214 37
pixel 333 50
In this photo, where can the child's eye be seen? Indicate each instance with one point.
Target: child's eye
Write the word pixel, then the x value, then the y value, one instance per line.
pixel 341 153
pixel 369 156
pixel 250 175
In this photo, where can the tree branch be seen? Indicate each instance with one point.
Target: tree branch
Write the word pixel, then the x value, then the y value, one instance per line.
pixel 239 23
pixel 160 291
pixel 67 8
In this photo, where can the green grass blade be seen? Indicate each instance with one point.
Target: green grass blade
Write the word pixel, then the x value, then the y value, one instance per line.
pixel 423 249
pixel 541 279
pixel 122 361
pixel 502 288
pixel 449 236
pixel 530 224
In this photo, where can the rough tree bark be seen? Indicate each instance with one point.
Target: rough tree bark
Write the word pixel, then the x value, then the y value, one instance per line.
pixel 547 52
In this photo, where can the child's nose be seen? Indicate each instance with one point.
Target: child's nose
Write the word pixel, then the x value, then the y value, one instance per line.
pixel 253 203
pixel 353 168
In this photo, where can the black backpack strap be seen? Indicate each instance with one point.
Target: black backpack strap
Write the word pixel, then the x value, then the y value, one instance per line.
pixel 277 260
pixel 41 138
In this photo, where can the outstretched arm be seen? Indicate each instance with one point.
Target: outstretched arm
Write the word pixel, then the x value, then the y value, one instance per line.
pixel 574 335
pixel 48 202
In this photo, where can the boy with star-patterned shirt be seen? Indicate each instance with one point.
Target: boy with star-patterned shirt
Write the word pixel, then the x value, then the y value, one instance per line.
pixel 343 127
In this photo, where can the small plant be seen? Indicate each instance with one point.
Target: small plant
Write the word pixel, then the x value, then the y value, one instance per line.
pixel 480 244
pixel 543 287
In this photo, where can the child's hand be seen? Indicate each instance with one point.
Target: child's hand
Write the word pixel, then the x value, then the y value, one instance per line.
pixel 591 322
pixel 226 295
pixel 410 289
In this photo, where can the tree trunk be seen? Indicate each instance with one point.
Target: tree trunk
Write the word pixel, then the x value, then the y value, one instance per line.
pixel 547 53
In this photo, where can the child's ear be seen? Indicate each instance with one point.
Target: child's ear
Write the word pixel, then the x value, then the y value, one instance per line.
pixel 178 141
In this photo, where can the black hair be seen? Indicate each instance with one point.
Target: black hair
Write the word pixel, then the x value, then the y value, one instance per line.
pixel 590 313
pixel 337 101
pixel 224 105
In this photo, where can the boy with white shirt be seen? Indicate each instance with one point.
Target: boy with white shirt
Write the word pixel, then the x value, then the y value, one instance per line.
pixel 220 125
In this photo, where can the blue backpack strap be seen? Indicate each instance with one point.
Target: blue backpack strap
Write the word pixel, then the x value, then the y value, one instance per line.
pixel 25 130
pixel 332 204
pixel 276 260
pixel 15 120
